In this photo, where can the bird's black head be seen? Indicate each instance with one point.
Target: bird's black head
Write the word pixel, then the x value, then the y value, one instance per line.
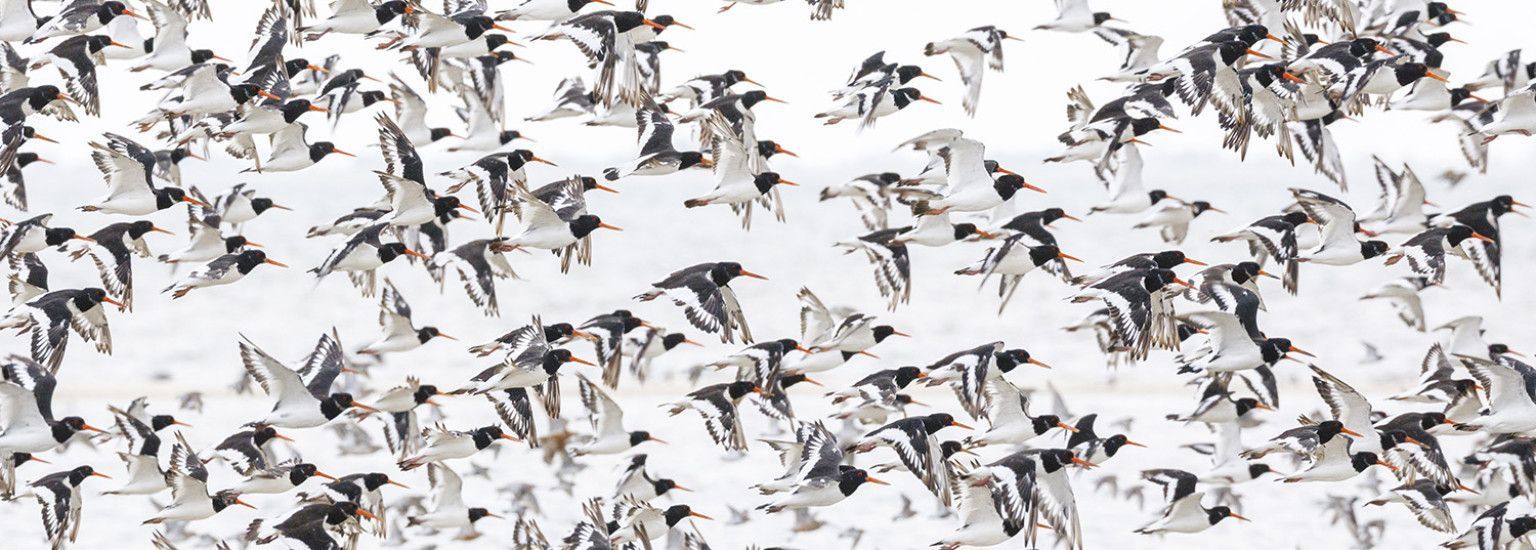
pixel 161 421
pixel 766 181
pixel 1168 259
pixel 792 379
pixel 1361 461
pixel 964 230
pixel 96 42
pixel 905 375
pixel 1007 360
pixel 992 166
pixel 334 405
pixel 1039 255
pixel 1328 429
pixel 753 97
pixel 639 436
pixel 558 331
pixel 392 8
pixel 1112 444
pixel 554 358
pixel 55 236
pixel 1008 184
pixel 1439 39
pixel 731 77
pixel 1199 207
pixel 1392 438
pixel 234 244
pixel 938 421
pixel 1099 17
pixel 787 345
pixel 1232 50
pixel 723 272
pixel 906 96
pixel 1268 74
pixel 261 435
pixel 673 340
pixel 1461 94
pixel 1244 271
pixel 676 513
pixel 1296 218
pixel 1218 513
pixel 249 259
pixel 1408 73
pixel 388 252
pixel 768 148
pixel 506 136
pixel 427 333
pixel 1156 279
pixel 166 197
pixel 424 393
pixel 1157 195
pixel 296 65
pixel 1502 204
pixel 849 480
pixel 301 472
pixel 439 133
pixel 1185 331
pixel 1431 419
pixel 224 499
pixel 1436 10
pixel 40 96
pixel 111 9
pixel 340 512
pixel 689 159
pixel 1363 47
pixel 374 480
pixel 319 149
pixel 906 73
pixel 485 436
pixel 739 388
pixel 475 27
pixel 1372 249
pixel 1252 34
pixel 293 109
pixel 1044 423
pixel 1458 233
pixel 243 92
pixel 888 178
pixel 1143 126
pixel 89 298
pixel 493 41
pixel 18 459
pixel 67 427
pixel 1245 404
pixel 1056 459
pixel 79 474
pixel 476 514
pixel 1257 469
pixel 1274 349
pixel 1519 526
pixel 370 97
pixel 1497 349
pixel 625 20
pixel 881 332
pixel 585 224
pixel 23 159
pixel 661 486
pixel 201 56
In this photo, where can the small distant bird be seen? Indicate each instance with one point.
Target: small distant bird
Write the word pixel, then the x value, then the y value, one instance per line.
pixel 1182 510
pixel 447 509
pixel 708 302
pixel 821 479
pixel 300 403
pixel 400 333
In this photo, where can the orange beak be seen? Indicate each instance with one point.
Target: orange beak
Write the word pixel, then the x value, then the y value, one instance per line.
pixel 1066 426
pixel 194 201
pixel 468 207
pixel 1381 49
pixel 1238 517
pixel 91 428
pixel 602 187
pixel 276 263
pixel 1163 127
pixel 1183 282
pixel 319 109
pixel 961 426
pixel 1065 256
pixel 1292 77
pixel 339 152
pixel 119 305
pixel 1294 349
pixel 1348 431
pixel 410 252
pixel 745 273
pixel 367 514
pixel 1083 463
pixel 930 100
pixel 284 438
pixel 244 503
pixel 268 95
pixel 537 159
pixel 1036 362
pixel 101 475
pixel 1258 54
pixel 364 407
pixel 581 361
pixel 133 14
pixel 1194 262
pixel 781 150
pixel 118 44
pixel 1134 444
pixel 398 484
pixel 1432 74
pixel 875 480
pixel 655 25
pixel 324 475
pixel 1483 238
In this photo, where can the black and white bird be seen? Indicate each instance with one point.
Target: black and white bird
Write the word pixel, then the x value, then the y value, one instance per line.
pixel 188 479
pixel 300 403
pixel 34 235
pixel 223 270
pixel 820 478
pixel 707 300
pixel 1183 511
pixel 399 331
pixel 447 509
pixel 58 494
pixel 914 442
pixel 1427 252
pixel 51 317
pixel 445 444
pixel 717 404
pixel 973 52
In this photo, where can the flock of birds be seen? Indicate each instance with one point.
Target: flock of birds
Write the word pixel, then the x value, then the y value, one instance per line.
pixel 1005 469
